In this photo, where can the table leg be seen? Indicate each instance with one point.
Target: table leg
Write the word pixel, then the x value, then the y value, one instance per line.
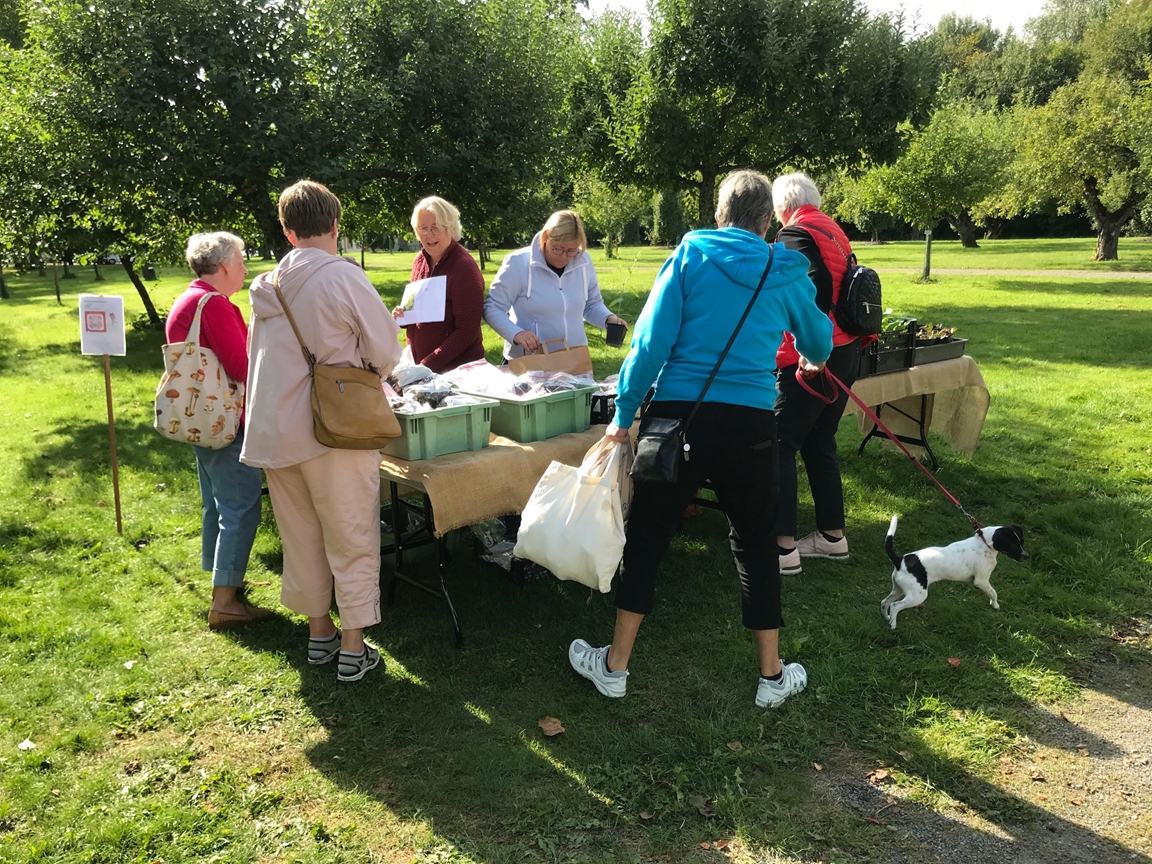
pixel 921 424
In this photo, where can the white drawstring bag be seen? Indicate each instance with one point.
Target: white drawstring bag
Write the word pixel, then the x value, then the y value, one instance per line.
pixel 573 524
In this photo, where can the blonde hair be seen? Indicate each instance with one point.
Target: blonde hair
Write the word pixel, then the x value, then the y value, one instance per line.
pixel 564 226
pixel 447 216
pixel 206 252
pixel 308 208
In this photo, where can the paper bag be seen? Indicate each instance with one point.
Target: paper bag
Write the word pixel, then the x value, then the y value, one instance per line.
pixel 574 361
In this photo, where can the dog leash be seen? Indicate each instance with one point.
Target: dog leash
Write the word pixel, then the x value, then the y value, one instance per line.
pixel 838 385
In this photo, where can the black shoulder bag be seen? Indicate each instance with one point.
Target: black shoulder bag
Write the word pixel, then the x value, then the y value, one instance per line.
pixel 662 440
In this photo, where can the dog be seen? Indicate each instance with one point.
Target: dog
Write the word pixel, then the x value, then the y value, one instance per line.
pixel 972 560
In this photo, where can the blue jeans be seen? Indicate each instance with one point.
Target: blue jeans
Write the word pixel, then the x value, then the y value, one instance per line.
pixel 230 492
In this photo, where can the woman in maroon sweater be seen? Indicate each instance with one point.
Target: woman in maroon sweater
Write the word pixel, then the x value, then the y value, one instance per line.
pixel 444 345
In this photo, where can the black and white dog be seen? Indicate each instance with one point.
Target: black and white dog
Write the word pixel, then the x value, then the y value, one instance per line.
pixel 965 560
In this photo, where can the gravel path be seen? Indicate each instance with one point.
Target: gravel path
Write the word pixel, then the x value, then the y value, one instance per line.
pixel 1061 274
pixel 1077 789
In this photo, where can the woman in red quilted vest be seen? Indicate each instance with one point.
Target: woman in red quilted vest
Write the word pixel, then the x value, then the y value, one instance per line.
pixel 805 424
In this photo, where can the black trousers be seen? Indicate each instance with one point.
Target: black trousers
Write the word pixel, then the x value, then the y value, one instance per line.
pixel 807 426
pixel 734 448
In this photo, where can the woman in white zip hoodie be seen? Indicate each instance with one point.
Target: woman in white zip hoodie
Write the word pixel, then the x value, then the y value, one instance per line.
pixel 547 290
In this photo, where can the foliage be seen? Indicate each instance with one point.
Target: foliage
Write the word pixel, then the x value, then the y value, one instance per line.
pixel 727 84
pixel 608 210
pixel 949 167
pixel 850 199
pixel 669 217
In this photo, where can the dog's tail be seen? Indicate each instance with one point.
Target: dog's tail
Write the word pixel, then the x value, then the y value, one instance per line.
pixel 888 546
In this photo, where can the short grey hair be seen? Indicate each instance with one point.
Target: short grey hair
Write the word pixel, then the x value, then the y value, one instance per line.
pixel 447 216
pixel 206 252
pixel 745 202
pixel 793 191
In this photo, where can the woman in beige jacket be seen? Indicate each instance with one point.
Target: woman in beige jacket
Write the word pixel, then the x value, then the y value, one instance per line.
pixel 326 501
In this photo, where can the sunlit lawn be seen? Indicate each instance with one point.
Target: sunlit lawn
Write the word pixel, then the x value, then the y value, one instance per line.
pixel 158 741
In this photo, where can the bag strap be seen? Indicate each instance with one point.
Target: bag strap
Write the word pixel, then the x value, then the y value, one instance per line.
pixel 735 333
pixel 194 327
pixel 847 256
pixel 309 357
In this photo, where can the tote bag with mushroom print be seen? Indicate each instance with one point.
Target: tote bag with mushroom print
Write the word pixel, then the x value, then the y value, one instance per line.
pixel 197 402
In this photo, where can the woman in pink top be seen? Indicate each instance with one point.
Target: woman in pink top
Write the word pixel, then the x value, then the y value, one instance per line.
pixel 230 490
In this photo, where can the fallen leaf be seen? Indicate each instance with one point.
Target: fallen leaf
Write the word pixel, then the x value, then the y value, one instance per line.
pixel 644 814
pixel 1079 802
pixel 957 715
pixel 721 844
pixel 132 767
pixel 550 726
pixel 735 745
pixel 1006 766
pixel 1041 797
pixel 56 792
pixel 705 845
pixel 1082 749
pixel 953 662
pixel 880 775
pixel 874 820
pixel 817 766
pixel 1037 776
pixel 1064 717
pixel 905 755
pixel 703 806
pixel 26 744
pixel 1116 637
pixel 128 664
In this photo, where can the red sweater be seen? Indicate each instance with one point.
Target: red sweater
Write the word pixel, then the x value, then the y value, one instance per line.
pixel 222 328
pixel 444 345
pixel 827 267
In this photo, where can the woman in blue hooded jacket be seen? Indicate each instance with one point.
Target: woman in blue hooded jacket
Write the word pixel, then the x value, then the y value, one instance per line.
pixel 695 305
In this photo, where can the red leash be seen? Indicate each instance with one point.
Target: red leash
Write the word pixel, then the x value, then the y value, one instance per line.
pixel 838 385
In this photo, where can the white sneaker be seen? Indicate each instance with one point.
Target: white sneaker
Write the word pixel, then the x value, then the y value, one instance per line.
pixel 816 546
pixel 771 694
pixel 790 563
pixel 592 663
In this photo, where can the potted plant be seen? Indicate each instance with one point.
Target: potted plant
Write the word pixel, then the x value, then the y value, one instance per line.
pixel 935 343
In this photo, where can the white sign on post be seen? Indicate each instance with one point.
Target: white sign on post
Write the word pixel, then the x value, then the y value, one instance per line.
pixel 423 301
pixel 102 324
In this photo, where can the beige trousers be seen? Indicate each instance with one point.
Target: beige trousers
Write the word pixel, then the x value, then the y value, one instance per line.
pixel 328 514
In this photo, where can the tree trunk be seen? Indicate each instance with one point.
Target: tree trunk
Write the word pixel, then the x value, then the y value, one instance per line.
pixel 875 237
pixel 260 205
pixel 96 268
pixel 153 316
pixel 56 282
pixel 1108 242
pixel 1108 223
pixel 706 209
pixel 962 223
pixel 39 259
pixel 3 283
pixel 927 255
pixel 362 267
pixel 485 257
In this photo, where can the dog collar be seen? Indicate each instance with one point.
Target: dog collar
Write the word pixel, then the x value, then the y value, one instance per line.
pixel 980 534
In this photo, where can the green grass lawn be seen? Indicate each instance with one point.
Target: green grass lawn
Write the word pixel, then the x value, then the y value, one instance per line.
pixel 1066 253
pixel 155 740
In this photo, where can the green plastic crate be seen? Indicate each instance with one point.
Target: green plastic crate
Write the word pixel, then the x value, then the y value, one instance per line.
pixel 542 417
pixel 444 430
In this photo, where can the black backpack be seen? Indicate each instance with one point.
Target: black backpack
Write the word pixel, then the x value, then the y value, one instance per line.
pixel 858 308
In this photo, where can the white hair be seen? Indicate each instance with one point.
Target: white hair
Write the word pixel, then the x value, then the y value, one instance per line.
pixel 206 252
pixel 745 201
pixel 793 191
pixel 447 216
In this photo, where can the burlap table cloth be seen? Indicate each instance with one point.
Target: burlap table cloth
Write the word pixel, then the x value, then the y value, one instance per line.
pixel 956 407
pixel 470 487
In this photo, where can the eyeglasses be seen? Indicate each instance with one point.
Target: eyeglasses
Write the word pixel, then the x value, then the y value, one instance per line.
pixel 428 229
pixel 562 251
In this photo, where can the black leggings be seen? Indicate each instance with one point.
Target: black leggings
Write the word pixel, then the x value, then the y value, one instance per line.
pixel 808 426
pixel 733 447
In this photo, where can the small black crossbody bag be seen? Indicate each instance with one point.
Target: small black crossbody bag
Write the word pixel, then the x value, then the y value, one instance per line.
pixel 662 441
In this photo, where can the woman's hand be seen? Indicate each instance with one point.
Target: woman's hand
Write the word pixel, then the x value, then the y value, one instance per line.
pixel 615 319
pixel 808 370
pixel 398 312
pixel 528 341
pixel 615 433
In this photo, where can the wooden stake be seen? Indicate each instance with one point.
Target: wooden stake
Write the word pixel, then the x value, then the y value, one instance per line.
pixel 112 443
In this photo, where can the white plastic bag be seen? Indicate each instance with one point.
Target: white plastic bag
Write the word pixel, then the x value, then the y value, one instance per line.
pixel 574 522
